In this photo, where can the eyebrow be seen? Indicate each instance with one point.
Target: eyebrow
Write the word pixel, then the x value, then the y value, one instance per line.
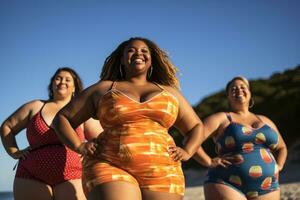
pixel 144 47
pixel 63 76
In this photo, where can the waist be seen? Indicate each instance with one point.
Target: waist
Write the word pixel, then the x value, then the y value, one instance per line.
pixel 45 146
pixel 257 156
pixel 242 149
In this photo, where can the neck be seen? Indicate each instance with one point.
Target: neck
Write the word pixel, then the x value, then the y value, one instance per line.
pixel 138 80
pixel 241 111
pixel 61 102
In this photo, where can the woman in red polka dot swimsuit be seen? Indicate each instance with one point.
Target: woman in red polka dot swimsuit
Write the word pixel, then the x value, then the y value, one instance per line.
pixel 47 169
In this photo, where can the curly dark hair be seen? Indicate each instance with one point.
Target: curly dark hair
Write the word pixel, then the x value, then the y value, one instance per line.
pixel 164 72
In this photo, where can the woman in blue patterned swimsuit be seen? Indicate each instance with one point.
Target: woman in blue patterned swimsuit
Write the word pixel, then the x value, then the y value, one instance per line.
pixel 245 142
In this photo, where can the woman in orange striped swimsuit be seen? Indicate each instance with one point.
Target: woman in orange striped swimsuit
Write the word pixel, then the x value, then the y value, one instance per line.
pixel 136 101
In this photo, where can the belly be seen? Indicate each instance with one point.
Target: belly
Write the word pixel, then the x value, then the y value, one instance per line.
pixel 248 168
pixel 53 164
pixel 137 148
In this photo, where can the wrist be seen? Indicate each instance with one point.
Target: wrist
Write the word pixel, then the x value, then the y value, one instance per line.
pixel 79 148
pixel 13 152
pixel 209 163
pixel 279 167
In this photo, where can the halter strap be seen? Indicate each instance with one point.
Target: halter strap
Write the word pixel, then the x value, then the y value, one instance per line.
pixel 229 117
pixel 44 103
pixel 158 85
pixel 259 118
pixel 113 86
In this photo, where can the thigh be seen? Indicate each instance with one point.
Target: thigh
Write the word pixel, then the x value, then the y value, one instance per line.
pixel 31 189
pixel 100 172
pixel 275 195
pixel 153 195
pixel 214 191
pixel 71 190
pixel 117 190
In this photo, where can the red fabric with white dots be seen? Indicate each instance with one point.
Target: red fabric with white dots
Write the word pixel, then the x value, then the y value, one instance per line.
pixel 49 160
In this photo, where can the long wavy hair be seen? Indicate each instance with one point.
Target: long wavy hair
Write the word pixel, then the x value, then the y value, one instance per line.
pixel 77 81
pixel 164 72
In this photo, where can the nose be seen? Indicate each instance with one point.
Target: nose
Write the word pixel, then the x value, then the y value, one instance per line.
pixel 138 52
pixel 238 90
pixel 63 80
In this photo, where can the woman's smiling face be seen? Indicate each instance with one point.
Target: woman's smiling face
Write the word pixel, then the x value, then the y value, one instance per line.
pixel 238 92
pixel 136 57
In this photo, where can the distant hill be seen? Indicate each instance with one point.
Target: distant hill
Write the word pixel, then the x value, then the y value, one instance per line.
pixel 277 97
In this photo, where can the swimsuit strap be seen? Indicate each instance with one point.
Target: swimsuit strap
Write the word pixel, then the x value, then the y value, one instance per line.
pixel 158 85
pixel 259 118
pixel 42 107
pixel 113 85
pixel 229 117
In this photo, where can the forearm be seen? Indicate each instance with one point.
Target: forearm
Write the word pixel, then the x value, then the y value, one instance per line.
pixel 194 139
pixel 202 157
pixel 66 132
pixel 281 155
pixel 9 141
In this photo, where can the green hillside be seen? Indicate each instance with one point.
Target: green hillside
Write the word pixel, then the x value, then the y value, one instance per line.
pixel 277 97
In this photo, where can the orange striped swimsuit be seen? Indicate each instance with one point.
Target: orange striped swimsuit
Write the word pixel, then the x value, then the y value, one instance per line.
pixel 135 143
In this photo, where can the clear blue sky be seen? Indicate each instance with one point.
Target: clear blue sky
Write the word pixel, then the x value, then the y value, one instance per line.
pixel 209 41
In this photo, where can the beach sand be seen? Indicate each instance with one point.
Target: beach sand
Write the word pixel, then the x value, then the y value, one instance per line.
pixel 289 191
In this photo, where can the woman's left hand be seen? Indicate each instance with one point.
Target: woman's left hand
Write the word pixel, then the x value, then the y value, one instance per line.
pixel 178 154
pixel 219 161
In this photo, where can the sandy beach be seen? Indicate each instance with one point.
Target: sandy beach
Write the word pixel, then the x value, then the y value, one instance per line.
pixel 289 183
pixel 289 191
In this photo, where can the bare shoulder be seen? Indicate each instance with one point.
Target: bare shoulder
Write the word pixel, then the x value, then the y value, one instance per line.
pixel 215 123
pixel 175 92
pixel 268 121
pixel 27 110
pixel 102 87
pixel 96 90
pixel 170 89
pixel 34 105
pixel 219 116
pixel 265 119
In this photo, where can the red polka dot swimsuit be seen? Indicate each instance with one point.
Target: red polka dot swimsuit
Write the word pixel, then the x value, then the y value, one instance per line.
pixel 49 161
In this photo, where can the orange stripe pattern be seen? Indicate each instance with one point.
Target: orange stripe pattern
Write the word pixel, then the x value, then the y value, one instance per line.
pixel 135 144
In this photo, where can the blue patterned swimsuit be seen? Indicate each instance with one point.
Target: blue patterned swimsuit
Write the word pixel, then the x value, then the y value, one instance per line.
pixel 254 170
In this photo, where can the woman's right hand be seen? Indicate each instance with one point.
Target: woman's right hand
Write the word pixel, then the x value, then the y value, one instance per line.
pixel 21 154
pixel 87 148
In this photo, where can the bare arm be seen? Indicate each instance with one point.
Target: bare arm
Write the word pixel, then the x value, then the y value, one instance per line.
pixel 202 157
pixel 211 127
pixel 16 123
pixel 189 124
pixel 280 152
pixel 92 128
pixel 75 113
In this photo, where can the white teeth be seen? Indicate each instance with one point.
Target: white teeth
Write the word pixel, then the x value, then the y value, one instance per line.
pixel 138 60
pixel 238 96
